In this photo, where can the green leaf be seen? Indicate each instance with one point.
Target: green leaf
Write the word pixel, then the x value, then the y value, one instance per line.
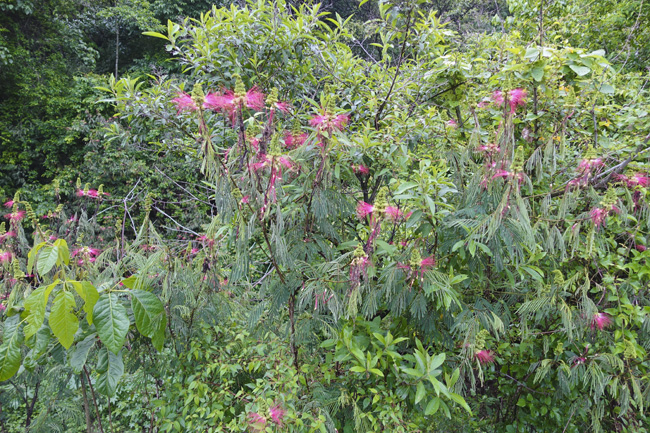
pixel 79 353
pixel 156 35
pixel 531 53
pixel 537 73
pixel 89 294
pixel 607 89
pixel 580 70
pixel 158 339
pixel 47 259
pixel 62 320
pixel 433 406
pixel 146 308
pixel 420 392
pixel 437 361
pixel 111 321
pixel 64 252
pixel 35 309
pixel 31 256
pixel 10 348
pixel 358 369
pixel 110 367
pixel 460 400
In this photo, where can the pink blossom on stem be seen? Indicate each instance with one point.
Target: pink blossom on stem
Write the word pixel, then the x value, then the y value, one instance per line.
pixel 484 356
pixel 329 121
pixel 598 216
pixel 184 102
pixel 364 209
pixel 284 107
pixel 589 164
pixel 9 204
pixel 451 123
pixel 396 214
pixel 640 248
pixel 256 422
pixel 638 179
pixel 277 414
pixel 5 256
pixel 16 215
pixel 292 141
pixel 7 235
pixel 360 169
pixel 600 321
pixel 517 98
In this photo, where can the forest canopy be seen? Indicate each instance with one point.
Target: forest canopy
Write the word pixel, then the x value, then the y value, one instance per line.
pixel 349 216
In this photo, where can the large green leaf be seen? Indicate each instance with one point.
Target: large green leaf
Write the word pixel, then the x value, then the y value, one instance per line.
pixel 10 348
pixel 47 259
pixel 111 321
pixel 79 353
pixel 64 252
pixel 158 338
pixel 35 310
pixel 63 321
pixel 89 294
pixel 146 308
pixel 110 368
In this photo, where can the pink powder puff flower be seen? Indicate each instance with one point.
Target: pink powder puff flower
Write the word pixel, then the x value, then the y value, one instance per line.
pixel 589 164
pixel 256 422
pixel 7 235
pixel 489 148
pixel 277 414
pixel 364 209
pixel 72 219
pixel 16 216
pixel 5 257
pixel 497 97
pixel 184 102
pixel 638 179
pixel 600 321
pixel 245 199
pixel 329 121
pixel 424 265
pixel 86 251
pixel 517 98
pixel 395 213
pixel 9 204
pixel 292 141
pixel 640 248
pixel 451 123
pixel 502 173
pixel 484 356
pixel 360 169
pixel 3 307
pixel 231 103
pixel 598 216
pixel 284 107
pixel 483 104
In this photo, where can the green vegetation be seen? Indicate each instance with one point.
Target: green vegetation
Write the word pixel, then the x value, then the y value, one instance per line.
pixel 398 216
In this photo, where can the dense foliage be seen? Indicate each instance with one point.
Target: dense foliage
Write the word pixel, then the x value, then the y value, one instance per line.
pixel 302 221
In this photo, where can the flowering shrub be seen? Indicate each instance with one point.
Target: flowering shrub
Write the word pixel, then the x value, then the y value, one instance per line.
pixel 386 244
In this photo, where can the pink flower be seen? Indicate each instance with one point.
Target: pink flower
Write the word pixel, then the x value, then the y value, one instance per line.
pixel 293 141
pixel 9 204
pixel 638 179
pixel 640 248
pixel 598 216
pixel 245 199
pixel 360 169
pixel 578 360
pixel 256 422
pixel 489 148
pixel 277 414
pixel 89 251
pixel 502 173
pixel 3 307
pixel 282 106
pixel 72 219
pixel 231 103
pixel 395 213
pixel 5 257
pixel 600 321
pixel 364 209
pixel 497 97
pixel 7 235
pixel 589 164
pixel 329 121
pixel 451 123
pixel 16 215
pixel 484 356
pixel 517 98
pixel 184 102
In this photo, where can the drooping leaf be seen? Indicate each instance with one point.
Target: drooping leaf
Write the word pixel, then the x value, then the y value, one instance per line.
pixel 110 367
pixel 89 294
pixel 10 348
pixel 111 321
pixel 146 308
pixel 80 352
pixel 63 321
pixel 47 259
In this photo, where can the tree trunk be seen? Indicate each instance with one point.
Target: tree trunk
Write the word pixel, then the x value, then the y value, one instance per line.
pixel 89 423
